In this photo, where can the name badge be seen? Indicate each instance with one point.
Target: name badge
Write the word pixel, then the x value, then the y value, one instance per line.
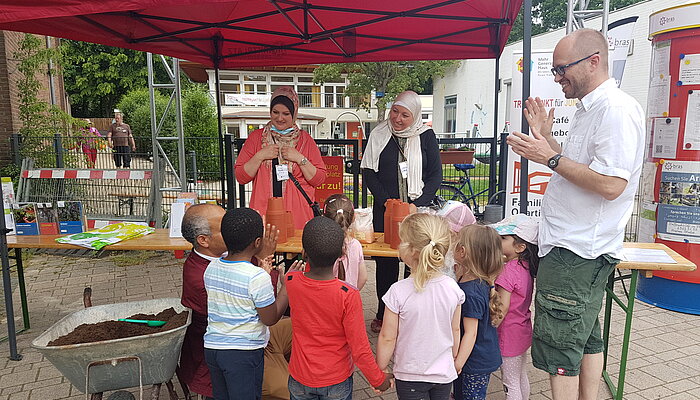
pixel 403 166
pixel 282 172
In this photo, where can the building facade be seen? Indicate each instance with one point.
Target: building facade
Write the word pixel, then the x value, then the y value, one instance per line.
pixel 9 94
pixel 465 95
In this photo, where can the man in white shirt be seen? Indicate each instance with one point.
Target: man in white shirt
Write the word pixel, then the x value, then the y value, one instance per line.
pixel 584 211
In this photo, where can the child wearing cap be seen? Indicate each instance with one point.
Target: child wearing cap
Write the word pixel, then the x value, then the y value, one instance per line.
pixel 458 215
pixel 515 287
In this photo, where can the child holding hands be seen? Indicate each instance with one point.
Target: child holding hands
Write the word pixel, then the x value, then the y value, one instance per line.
pixel 428 299
pixel 480 258
pixel 329 336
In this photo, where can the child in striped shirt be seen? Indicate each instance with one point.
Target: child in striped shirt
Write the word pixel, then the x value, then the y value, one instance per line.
pixel 241 305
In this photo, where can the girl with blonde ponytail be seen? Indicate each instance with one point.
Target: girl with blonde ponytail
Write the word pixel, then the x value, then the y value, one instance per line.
pixel 427 299
pixel 479 256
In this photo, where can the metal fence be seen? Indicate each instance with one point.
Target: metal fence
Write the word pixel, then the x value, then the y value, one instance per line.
pixel 204 167
pixel 204 171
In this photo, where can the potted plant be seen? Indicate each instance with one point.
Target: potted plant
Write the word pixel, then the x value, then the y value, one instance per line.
pixel 462 155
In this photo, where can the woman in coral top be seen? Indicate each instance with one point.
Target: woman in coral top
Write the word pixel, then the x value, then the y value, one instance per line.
pixel 280 148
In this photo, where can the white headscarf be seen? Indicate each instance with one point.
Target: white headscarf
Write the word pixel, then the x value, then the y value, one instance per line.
pixel 380 136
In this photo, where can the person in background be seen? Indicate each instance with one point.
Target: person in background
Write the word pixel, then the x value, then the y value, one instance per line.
pixel 280 149
pixel 121 140
pixel 401 161
pixel 350 267
pixel 588 202
pixel 88 142
pixel 458 215
pixel 426 304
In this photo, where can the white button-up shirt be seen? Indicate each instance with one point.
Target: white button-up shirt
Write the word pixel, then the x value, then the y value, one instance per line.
pixel 607 135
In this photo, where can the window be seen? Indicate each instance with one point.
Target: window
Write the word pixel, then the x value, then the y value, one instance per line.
pixel 450 114
pixel 234 130
pixel 311 128
pixel 308 79
pixel 260 78
pixel 282 79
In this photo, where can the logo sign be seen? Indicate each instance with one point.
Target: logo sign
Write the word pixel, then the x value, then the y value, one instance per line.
pixel 335 167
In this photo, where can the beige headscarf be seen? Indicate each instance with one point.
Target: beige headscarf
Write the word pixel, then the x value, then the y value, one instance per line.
pixel 381 135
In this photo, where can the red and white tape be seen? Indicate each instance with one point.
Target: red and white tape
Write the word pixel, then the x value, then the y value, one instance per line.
pixel 51 173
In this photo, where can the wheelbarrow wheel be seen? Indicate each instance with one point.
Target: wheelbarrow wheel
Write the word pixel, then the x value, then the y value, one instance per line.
pixel 121 395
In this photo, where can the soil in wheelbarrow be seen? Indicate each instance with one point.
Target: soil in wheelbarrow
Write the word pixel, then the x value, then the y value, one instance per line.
pixel 108 330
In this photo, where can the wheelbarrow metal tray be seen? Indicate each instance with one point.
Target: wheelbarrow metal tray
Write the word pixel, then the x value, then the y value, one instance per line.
pixel 159 352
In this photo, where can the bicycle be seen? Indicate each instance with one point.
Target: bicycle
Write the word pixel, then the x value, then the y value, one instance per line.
pixel 454 189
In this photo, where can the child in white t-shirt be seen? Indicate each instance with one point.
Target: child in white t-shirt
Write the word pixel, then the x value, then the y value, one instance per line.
pixel 427 299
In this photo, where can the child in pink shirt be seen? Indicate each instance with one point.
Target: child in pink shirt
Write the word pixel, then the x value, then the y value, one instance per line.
pixel 427 301
pixel 515 286
pixel 350 267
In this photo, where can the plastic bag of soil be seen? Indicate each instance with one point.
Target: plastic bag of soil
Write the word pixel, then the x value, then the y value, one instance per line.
pixel 113 233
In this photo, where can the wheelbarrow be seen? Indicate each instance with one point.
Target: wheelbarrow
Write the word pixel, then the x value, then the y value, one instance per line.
pixel 116 364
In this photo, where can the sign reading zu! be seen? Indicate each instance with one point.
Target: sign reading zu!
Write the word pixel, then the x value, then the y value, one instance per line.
pixel 334 179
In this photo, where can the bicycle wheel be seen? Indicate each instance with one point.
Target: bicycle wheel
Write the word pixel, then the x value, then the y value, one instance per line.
pixel 451 193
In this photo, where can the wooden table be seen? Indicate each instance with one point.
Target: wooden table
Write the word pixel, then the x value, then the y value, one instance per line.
pixel 160 240
pixel 682 264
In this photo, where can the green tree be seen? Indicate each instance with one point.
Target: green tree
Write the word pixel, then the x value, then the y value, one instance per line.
pixel 40 120
pixel 199 126
pixel 201 130
pixel 548 15
pixel 98 76
pixel 390 78
pixel 136 106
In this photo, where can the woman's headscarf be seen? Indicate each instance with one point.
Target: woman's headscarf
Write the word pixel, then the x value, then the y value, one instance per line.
pixel 381 135
pixel 271 137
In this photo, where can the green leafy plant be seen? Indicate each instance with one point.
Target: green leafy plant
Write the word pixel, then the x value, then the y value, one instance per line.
pixel 40 120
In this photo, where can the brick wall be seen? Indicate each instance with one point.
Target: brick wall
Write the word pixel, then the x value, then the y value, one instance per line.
pixel 9 113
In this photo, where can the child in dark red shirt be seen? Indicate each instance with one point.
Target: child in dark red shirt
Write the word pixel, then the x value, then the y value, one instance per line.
pixel 328 326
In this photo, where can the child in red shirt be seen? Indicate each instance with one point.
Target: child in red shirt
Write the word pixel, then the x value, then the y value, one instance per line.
pixel 328 326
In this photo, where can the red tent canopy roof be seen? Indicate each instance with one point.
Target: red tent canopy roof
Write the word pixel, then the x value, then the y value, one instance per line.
pixel 235 34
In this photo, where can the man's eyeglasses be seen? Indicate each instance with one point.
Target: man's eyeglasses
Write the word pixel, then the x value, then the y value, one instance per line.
pixel 561 70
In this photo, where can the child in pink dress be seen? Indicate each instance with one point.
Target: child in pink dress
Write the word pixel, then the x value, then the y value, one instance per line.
pixel 515 286
pixel 350 267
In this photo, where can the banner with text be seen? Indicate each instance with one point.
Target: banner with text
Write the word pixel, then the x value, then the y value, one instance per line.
pixel 544 87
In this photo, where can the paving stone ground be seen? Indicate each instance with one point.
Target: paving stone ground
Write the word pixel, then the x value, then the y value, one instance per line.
pixel 664 357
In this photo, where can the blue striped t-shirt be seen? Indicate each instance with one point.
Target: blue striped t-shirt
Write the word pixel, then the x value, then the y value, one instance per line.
pixel 234 290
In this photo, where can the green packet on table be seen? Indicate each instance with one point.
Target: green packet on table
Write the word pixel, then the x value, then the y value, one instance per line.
pixel 109 234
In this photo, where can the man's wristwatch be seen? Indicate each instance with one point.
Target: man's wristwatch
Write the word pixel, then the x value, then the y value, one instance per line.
pixel 304 161
pixel 554 161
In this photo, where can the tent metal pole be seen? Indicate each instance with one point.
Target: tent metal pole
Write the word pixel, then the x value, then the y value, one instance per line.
pixel 179 123
pixel 7 288
pixel 494 142
pixel 156 215
pixel 227 198
pixel 527 57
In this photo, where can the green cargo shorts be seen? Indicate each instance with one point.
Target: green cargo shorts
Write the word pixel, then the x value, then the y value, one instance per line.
pixel 568 299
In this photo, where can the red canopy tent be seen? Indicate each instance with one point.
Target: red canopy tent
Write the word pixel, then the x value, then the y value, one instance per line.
pixel 244 33
pixel 228 34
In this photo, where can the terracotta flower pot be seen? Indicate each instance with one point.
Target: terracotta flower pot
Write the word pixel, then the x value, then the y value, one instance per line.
pixel 400 211
pixel 388 205
pixel 290 224
pixel 457 157
pixel 276 215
